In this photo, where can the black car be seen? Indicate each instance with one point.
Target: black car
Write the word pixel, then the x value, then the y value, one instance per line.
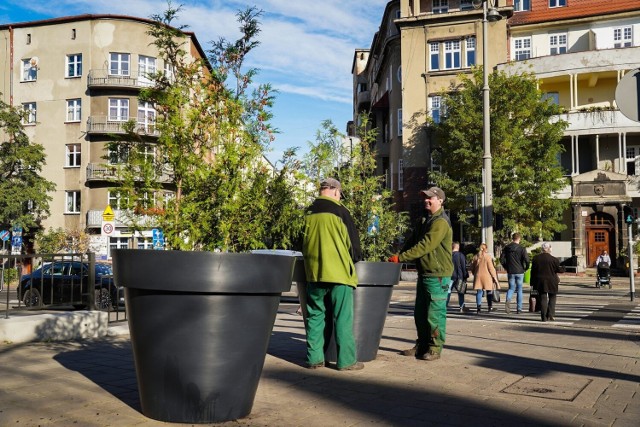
pixel 66 283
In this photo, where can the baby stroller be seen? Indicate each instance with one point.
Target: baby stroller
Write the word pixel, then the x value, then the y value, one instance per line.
pixel 603 276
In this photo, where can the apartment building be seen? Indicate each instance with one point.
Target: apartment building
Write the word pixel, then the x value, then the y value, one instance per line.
pixel 579 51
pixel 79 78
pixel 419 50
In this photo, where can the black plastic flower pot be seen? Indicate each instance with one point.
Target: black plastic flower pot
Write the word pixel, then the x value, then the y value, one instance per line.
pixel 200 324
pixel 370 304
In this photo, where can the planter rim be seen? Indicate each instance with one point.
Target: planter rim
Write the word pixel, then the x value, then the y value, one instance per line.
pixel 205 272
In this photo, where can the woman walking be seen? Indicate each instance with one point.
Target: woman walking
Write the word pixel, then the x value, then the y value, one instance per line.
pixel 484 276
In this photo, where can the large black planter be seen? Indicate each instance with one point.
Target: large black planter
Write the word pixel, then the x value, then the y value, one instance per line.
pixel 200 324
pixel 370 304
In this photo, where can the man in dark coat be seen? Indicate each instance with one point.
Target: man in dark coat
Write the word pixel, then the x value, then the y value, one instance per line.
pixel 544 278
pixel 459 277
pixel 515 260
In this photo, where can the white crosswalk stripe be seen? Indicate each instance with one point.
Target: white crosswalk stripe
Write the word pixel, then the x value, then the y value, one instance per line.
pixel 631 320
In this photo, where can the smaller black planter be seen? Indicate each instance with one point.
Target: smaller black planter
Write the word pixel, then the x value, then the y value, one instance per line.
pixel 200 324
pixel 370 304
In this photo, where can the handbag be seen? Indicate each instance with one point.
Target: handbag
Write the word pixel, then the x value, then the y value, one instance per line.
pixel 461 286
pixel 495 295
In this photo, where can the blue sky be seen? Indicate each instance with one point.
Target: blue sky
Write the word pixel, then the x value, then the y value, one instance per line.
pixel 306 48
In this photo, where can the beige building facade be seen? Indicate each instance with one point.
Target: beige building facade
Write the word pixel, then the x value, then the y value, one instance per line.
pixel 579 51
pixel 79 78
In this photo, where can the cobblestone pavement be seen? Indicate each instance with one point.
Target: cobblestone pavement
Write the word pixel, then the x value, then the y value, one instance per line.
pixel 496 370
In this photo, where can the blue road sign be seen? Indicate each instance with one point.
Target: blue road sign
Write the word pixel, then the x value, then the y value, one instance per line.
pixel 158 239
pixel 16 241
pixel 5 235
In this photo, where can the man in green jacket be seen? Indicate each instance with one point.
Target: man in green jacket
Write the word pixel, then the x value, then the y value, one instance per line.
pixel 331 247
pixel 430 247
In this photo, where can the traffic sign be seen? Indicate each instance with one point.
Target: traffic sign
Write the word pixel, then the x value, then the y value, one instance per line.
pixel 108 228
pixel 5 235
pixel 107 214
pixel 16 241
pixel 158 239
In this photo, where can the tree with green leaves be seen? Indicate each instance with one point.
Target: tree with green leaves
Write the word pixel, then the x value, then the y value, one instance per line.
pixel 62 241
pixel 213 130
pixel 24 198
pixel 370 203
pixel 525 147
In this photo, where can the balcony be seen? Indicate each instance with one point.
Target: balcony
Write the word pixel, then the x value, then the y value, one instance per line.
pixel 599 122
pixel 104 125
pixel 105 172
pixel 103 79
pixel 595 61
pixel 363 98
pixel 123 218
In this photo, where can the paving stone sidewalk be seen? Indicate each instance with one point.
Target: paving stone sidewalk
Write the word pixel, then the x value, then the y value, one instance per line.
pixel 493 373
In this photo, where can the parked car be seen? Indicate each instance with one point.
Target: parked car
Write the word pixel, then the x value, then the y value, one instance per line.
pixel 65 282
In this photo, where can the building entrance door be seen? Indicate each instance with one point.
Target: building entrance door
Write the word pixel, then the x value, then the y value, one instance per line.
pixel 600 234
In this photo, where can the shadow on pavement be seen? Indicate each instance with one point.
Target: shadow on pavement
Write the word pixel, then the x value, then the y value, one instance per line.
pixel 109 364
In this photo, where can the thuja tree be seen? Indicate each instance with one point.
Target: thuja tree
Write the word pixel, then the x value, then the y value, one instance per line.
pixel 213 129
pixel 370 203
pixel 24 198
pixel 525 146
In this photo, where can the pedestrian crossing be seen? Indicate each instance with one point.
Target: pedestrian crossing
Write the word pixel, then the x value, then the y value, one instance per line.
pixel 569 311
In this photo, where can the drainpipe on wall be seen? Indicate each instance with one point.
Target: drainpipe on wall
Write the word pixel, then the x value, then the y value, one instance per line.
pixel 10 65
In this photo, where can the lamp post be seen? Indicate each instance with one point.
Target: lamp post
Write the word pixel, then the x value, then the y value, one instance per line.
pixel 488 15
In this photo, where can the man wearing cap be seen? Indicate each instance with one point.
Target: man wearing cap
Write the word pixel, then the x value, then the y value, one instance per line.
pixel 430 247
pixel 331 247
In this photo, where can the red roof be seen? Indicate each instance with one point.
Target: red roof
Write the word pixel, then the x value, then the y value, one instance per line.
pixel 541 12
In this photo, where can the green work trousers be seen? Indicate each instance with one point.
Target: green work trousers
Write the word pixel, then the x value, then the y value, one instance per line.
pixel 329 303
pixel 430 313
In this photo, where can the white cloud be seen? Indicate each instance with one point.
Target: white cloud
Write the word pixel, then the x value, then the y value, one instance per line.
pixel 306 46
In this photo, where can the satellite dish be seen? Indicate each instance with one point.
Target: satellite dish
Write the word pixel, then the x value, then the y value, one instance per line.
pixel 34 62
pixel 477 4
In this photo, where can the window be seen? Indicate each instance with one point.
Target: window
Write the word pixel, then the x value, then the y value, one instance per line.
pixel 466 4
pixel 117 243
pixel 73 202
pixel 400 175
pixel 118 154
pixel 633 157
pixel 145 243
pixel 73 34
pixel 146 67
pixel 557 44
pixel 29 117
pixel 521 5
pixel 117 200
pixel 399 121
pixel 119 109
pixel 73 155
pixel 168 71
pixel 74 65
pixel 30 69
pixel 452 54
pixel 470 49
pixel 557 3
pixel 434 55
pixel 28 38
pixel 74 110
pixel 435 108
pixel 399 74
pixel 622 37
pixel 554 97
pixel 119 64
pixel 522 48
pixel 440 6
pixel 362 87
pixel 146 116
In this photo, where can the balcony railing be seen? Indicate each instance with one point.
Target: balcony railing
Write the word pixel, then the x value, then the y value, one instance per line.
pixel 123 218
pixel 102 78
pixel 104 125
pixel 364 97
pixel 104 172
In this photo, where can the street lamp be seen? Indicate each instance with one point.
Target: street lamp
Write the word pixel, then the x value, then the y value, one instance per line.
pixel 489 14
